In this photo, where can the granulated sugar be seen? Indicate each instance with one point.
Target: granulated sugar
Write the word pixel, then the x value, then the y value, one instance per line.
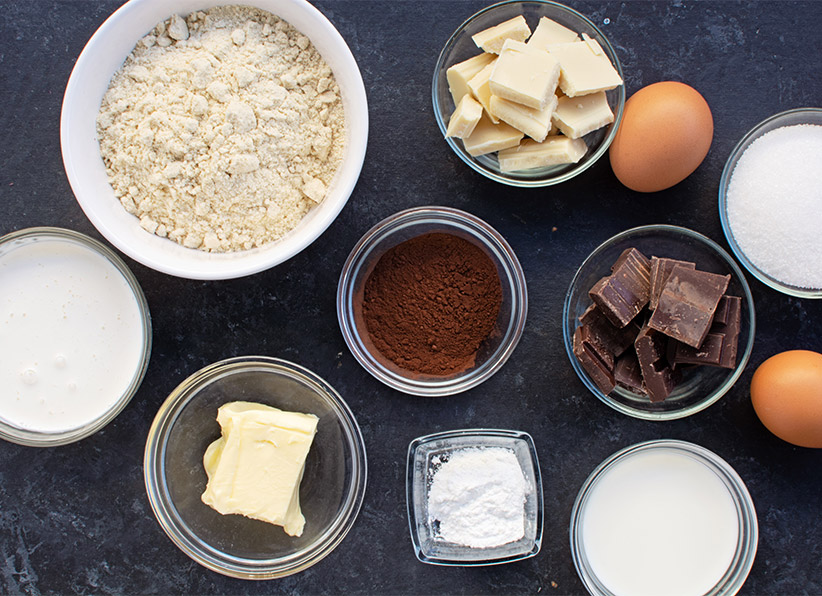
pixel 477 498
pixel 774 204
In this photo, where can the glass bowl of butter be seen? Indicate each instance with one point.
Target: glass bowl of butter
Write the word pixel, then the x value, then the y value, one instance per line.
pixel 529 93
pixel 255 467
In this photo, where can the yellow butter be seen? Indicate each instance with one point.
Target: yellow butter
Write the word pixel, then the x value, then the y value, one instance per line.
pixel 489 137
pixel 255 468
pixel 459 74
pixel 465 118
pixel 552 151
pixel 493 38
pixel 577 116
pixel 524 75
pixel 550 32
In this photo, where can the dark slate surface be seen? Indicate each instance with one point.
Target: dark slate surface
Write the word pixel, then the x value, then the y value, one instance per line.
pixel 76 519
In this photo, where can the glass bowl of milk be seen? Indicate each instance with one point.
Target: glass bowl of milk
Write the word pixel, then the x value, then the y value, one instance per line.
pixel 663 517
pixel 75 336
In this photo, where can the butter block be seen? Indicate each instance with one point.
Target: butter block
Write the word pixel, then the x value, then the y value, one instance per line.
pixel 459 74
pixel 552 151
pixel 465 118
pixel 584 68
pixel 550 32
pixel 577 116
pixel 533 122
pixel 524 75
pixel 480 88
pixel 255 468
pixel 493 38
pixel 489 137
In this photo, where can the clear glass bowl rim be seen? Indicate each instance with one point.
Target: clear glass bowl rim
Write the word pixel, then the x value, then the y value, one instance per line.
pixel 479 433
pixel 448 217
pixel 736 574
pixel 29 438
pixel 498 176
pixel 165 511
pixel 725 180
pixel 742 359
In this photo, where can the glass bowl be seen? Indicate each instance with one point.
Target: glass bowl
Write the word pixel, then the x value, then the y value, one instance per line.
pixel 331 491
pixel 461 47
pixel 97 329
pixel 104 54
pixel 790 118
pixel 398 228
pixel 701 386
pixel 424 455
pixel 613 474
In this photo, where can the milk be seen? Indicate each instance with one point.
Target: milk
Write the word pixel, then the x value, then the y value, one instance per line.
pixel 659 523
pixel 71 335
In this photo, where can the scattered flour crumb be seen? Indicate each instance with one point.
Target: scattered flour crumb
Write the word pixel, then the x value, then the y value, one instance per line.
pixel 222 129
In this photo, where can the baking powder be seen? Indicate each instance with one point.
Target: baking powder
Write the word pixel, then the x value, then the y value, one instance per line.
pixel 477 497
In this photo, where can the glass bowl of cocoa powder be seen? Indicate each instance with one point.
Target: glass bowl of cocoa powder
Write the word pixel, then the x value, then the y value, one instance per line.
pixel 432 301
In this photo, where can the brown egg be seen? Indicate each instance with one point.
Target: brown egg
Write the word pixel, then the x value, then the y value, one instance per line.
pixel 665 134
pixel 786 391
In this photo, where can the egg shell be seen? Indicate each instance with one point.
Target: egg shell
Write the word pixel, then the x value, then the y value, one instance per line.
pixel 666 132
pixel 786 391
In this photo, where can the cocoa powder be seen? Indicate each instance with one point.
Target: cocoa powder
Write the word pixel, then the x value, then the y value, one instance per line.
pixel 430 302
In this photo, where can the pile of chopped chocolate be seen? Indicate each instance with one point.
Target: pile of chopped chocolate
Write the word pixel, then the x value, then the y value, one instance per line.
pixel 672 315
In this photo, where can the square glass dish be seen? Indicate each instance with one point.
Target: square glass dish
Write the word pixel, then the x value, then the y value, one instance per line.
pixel 425 456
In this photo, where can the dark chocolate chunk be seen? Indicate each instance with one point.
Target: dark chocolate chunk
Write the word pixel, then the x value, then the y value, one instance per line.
pixel 687 304
pixel 600 369
pixel 615 339
pixel 622 295
pixel 627 373
pixel 659 377
pixel 660 272
pixel 720 345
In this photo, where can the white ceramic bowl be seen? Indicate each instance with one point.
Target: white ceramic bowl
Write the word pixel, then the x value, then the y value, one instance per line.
pixel 105 53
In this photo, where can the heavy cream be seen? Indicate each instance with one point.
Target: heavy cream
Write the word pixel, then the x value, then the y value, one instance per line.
pixel 659 522
pixel 71 334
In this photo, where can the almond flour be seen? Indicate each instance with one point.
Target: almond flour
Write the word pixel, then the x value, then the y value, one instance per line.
pixel 222 129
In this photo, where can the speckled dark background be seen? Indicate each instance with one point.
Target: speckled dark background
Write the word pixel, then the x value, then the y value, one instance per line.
pixel 75 519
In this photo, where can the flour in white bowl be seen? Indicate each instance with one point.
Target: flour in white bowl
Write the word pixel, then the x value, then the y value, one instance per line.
pixel 477 498
pixel 222 130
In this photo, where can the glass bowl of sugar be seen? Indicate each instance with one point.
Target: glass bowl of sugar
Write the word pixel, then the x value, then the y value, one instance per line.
pixel 474 497
pixel 769 202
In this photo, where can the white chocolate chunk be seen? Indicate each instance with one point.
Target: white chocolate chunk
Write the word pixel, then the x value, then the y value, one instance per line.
pixel 481 89
pixel 534 123
pixel 524 75
pixel 552 151
pixel 493 38
pixel 585 68
pixel 489 137
pixel 462 72
pixel 549 32
pixel 465 118
pixel 577 116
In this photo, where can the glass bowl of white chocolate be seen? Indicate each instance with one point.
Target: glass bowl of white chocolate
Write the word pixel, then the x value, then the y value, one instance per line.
pixel 528 93
pixel 255 467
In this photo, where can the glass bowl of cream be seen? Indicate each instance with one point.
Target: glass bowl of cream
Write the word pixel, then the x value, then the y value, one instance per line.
pixel 474 497
pixel 75 336
pixel 330 489
pixel 663 517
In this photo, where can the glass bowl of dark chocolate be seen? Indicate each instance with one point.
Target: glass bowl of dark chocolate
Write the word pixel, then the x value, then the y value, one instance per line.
pixel 432 301
pixel 659 322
